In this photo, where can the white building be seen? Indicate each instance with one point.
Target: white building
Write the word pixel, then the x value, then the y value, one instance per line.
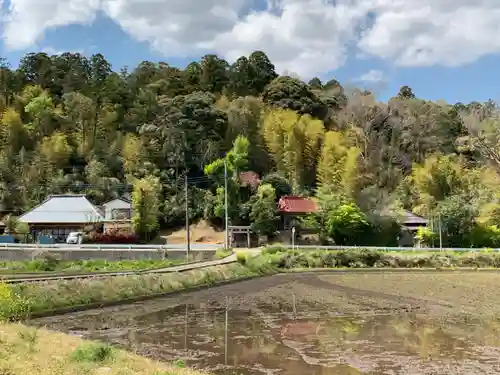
pixel 117 214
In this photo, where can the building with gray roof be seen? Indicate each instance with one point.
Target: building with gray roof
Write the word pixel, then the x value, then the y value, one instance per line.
pixel 59 215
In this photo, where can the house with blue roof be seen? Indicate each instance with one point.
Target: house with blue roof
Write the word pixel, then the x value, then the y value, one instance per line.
pixel 60 215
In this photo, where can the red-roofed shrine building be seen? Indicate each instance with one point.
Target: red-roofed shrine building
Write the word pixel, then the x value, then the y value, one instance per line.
pixel 291 207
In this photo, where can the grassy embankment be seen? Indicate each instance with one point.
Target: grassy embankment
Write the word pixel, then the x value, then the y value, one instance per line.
pixel 222 253
pixel 366 258
pixel 37 351
pixel 52 264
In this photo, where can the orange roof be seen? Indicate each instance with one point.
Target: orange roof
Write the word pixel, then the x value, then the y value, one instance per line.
pixel 250 179
pixel 296 205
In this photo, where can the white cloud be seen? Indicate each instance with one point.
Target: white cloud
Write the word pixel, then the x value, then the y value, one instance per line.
pixel 26 20
pixel 309 37
pixel 428 32
pixel 52 51
pixel 372 76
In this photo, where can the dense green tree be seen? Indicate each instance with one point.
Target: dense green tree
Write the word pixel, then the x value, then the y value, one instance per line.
pixel 347 224
pixel 235 162
pixel 71 72
pixel 146 206
pixel 36 69
pixel 315 83
pixel 240 78
pixel 263 212
pixel 214 75
pixel 262 72
pixel 291 93
pixel 406 92
pixel 190 129
pixel 69 123
pixel 279 183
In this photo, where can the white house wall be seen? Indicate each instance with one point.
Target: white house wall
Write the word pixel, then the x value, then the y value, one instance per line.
pixel 116 204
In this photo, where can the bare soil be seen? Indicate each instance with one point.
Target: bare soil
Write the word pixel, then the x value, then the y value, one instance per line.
pixel 200 232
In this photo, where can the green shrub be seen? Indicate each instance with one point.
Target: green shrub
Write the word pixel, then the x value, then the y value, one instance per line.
pixel 92 352
pixel 222 253
pixel 241 258
pixel 272 250
pixel 426 237
pixel 328 259
pixel 179 363
pixel 49 262
pixel 369 257
pixel 12 304
pixel 358 258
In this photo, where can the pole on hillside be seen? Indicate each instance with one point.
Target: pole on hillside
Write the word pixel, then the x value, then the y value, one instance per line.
pixel 225 206
pixel 440 233
pixel 188 236
pixel 226 331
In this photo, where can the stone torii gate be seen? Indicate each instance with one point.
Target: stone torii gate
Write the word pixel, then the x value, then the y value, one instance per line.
pixel 239 229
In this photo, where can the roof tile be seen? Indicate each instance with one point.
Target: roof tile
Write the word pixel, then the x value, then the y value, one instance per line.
pixel 298 205
pixel 65 209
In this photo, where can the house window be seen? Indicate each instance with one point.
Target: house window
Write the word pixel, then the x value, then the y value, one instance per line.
pixel 121 214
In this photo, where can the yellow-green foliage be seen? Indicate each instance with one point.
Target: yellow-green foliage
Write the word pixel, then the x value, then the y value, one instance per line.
pixel 146 204
pixel 56 149
pixel 338 165
pixel 436 179
pixel 293 141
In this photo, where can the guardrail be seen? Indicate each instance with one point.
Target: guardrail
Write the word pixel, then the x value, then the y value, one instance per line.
pixel 88 247
pixel 380 248
pixel 214 247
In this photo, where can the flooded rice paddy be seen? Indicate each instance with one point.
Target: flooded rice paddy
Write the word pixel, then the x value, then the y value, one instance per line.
pixel 314 323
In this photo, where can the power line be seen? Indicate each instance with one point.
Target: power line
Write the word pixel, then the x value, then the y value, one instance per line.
pixel 178 182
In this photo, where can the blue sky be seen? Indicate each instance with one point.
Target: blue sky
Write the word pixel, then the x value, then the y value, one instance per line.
pixel 443 71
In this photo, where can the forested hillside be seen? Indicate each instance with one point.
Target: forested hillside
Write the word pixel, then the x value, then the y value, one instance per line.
pixel 72 124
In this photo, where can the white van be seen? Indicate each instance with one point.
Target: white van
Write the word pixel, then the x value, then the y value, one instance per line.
pixel 74 238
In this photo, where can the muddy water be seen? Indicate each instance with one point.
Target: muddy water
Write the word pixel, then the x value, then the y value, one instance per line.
pixel 275 340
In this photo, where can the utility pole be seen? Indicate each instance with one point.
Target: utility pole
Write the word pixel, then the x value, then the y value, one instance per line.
pixel 188 236
pixel 440 233
pixel 225 206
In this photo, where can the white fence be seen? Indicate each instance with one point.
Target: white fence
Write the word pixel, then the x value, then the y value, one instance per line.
pixel 212 247
pixel 84 247
pixel 410 249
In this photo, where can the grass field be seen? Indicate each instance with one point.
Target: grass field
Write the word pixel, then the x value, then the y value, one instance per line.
pixel 38 351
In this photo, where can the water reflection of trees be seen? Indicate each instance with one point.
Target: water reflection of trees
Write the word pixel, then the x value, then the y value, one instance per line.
pixel 262 338
pixel 408 335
